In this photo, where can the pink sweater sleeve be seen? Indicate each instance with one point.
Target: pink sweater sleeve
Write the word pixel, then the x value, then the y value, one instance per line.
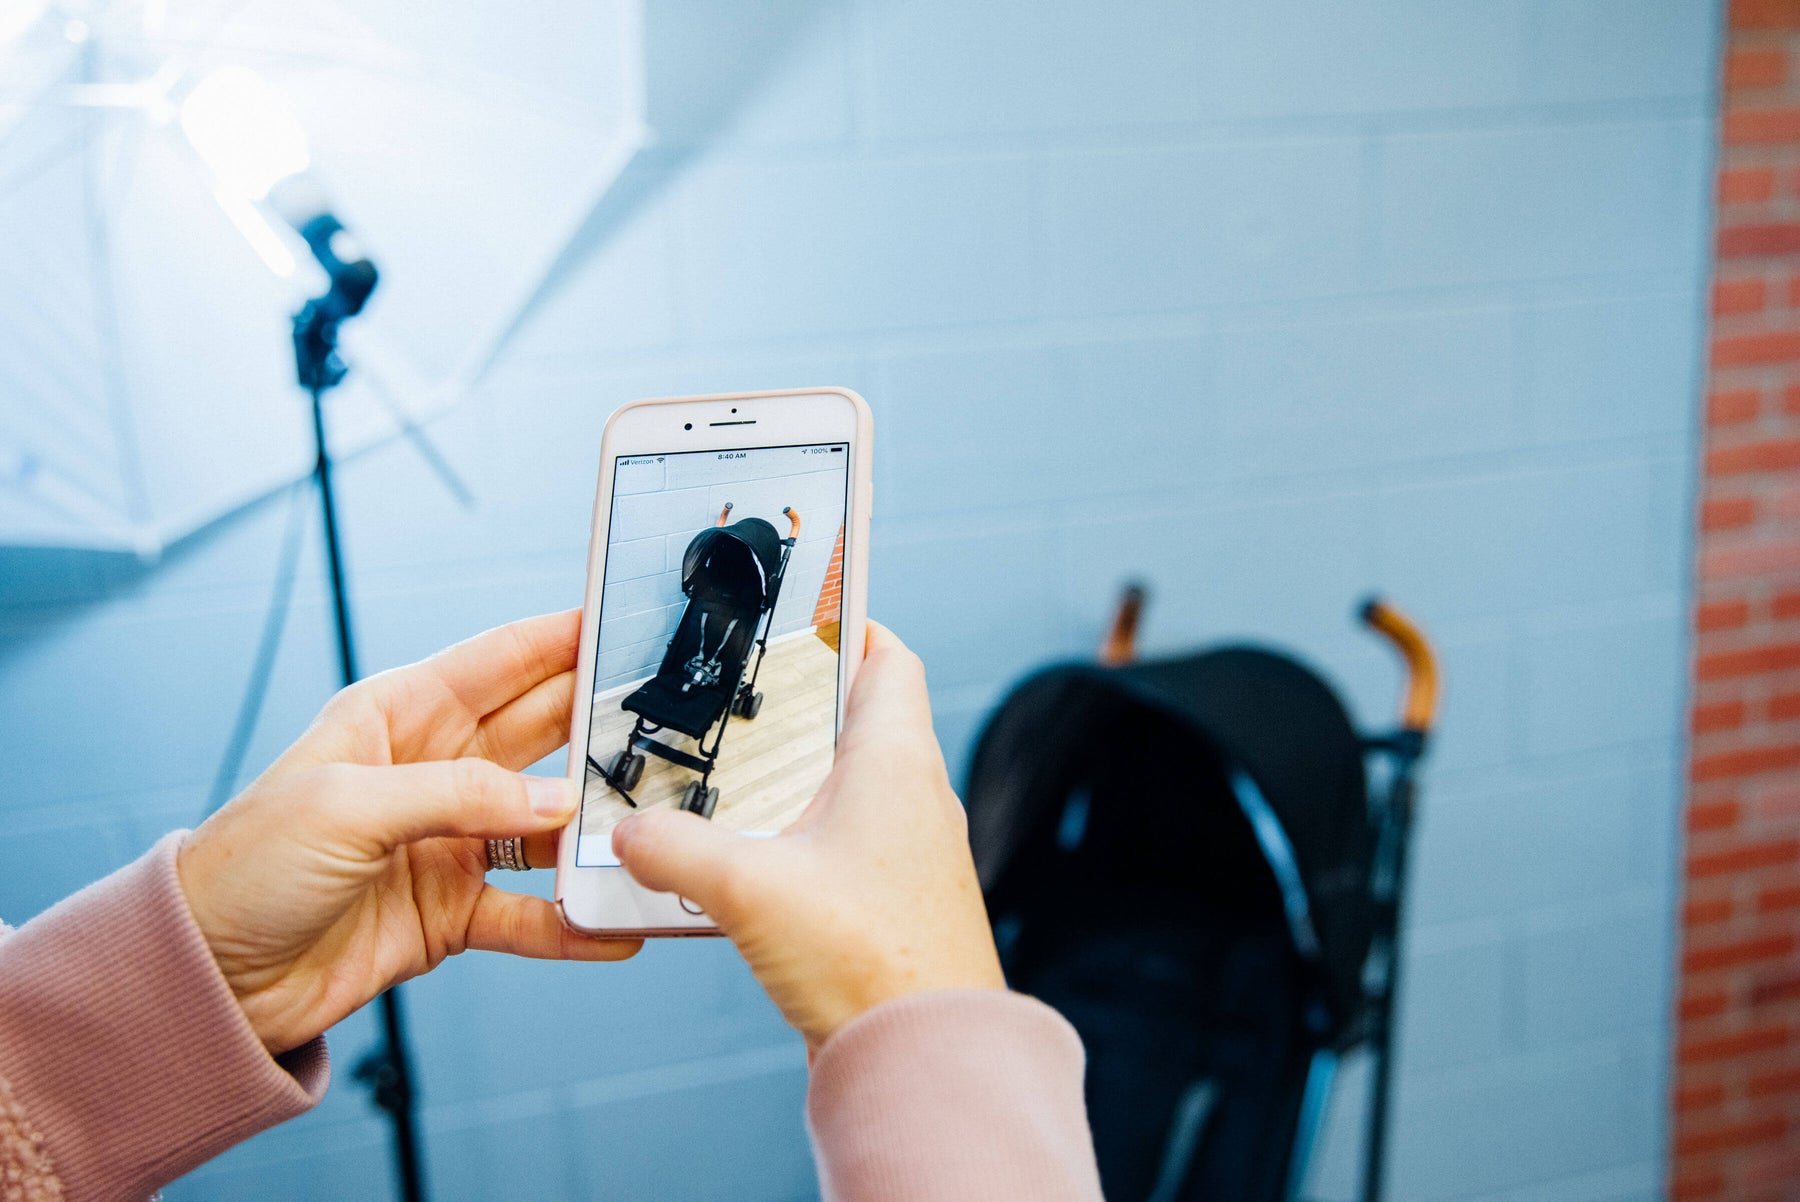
pixel 957 1096
pixel 123 1045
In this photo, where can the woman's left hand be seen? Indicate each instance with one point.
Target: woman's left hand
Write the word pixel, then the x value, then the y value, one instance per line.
pixel 358 859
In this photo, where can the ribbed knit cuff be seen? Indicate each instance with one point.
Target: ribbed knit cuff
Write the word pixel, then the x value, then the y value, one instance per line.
pixel 954 1096
pixel 124 1045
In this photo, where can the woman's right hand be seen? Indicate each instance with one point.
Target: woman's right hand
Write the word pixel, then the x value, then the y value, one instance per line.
pixel 871 895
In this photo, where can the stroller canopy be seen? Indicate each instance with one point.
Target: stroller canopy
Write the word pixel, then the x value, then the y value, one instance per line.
pixel 1247 732
pixel 739 563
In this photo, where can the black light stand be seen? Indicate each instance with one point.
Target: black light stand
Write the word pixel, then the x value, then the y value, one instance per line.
pixel 387 1068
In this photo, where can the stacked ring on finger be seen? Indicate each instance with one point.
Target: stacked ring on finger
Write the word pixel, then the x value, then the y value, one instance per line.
pixel 506 853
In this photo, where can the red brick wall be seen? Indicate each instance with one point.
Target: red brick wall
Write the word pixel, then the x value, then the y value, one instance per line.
pixel 1737 1075
pixel 832 591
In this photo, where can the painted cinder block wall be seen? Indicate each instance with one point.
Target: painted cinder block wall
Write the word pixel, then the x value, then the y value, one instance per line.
pixel 1737 1096
pixel 1265 303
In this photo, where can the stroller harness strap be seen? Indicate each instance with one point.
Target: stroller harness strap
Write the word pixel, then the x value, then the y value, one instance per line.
pixel 702 669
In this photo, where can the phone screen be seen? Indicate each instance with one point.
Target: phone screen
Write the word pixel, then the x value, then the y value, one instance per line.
pixel 716 671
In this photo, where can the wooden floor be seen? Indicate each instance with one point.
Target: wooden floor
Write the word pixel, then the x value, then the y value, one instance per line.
pixel 769 766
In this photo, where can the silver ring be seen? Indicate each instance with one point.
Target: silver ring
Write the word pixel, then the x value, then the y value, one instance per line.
pixel 508 854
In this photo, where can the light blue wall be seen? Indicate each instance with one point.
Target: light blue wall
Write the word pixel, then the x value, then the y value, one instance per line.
pixel 1267 303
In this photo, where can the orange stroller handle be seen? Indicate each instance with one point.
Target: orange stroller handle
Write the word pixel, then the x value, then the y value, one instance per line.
pixel 1121 641
pixel 724 514
pixel 793 517
pixel 1419 709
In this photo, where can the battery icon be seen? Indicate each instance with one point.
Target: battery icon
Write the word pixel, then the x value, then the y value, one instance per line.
pixel 837 450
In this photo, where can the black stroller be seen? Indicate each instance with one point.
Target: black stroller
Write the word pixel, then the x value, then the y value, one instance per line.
pixel 731 576
pixel 1191 859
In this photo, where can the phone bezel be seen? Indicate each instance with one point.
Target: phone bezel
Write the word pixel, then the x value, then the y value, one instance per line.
pixel 606 899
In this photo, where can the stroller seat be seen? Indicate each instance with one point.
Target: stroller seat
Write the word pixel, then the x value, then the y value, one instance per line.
pixel 700 669
pixel 692 713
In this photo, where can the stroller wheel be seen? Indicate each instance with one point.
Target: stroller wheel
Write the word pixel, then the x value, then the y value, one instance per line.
pixel 752 705
pixel 624 770
pixel 708 803
pixel 692 797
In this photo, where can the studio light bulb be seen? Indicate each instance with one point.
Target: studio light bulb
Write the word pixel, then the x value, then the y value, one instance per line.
pixel 243 129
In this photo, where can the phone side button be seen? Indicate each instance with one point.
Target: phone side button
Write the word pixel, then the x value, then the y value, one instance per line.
pixel 690 907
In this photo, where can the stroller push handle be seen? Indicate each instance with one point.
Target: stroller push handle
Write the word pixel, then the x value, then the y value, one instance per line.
pixel 1419 709
pixel 1120 646
pixel 793 517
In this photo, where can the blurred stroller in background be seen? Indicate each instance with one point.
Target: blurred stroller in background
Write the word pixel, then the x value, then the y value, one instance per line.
pixel 731 576
pixel 1200 862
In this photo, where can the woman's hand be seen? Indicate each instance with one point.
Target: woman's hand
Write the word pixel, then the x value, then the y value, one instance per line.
pixel 870 895
pixel 358 859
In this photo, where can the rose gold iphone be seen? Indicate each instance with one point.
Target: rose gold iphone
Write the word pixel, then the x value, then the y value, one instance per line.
pixel 723 624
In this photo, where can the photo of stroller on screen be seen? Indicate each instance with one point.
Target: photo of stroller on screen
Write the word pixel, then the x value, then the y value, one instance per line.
pixel 716 671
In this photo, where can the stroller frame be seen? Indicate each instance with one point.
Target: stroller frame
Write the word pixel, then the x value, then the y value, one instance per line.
pixel 1403 747
pixel 623 771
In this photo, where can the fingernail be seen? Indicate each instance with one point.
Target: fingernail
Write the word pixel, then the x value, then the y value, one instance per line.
pixel 550 796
